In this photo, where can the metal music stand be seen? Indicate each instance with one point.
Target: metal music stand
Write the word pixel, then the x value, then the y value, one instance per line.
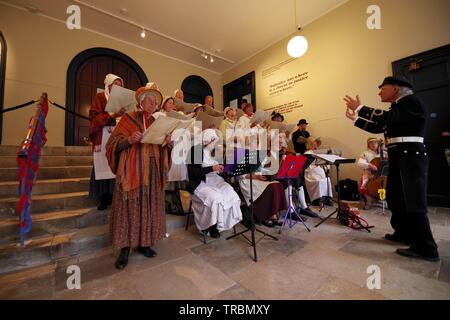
pixel 247 164
pixel 337 161
pixel 290 169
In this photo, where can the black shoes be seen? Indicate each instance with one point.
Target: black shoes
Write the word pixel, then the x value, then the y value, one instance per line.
pixel 213 232
pixel 412 254
pixel 122 261
pixel 147 251
pixel 328 201
pixel 105 200
pixel 396 238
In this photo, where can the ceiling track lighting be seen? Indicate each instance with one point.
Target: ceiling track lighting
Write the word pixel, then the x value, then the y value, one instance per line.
pixel 207 56
pixel 143 34
pixel 124 12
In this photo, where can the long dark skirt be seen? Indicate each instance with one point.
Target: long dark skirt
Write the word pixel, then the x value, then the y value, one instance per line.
pixel 98 188
pixel 270 202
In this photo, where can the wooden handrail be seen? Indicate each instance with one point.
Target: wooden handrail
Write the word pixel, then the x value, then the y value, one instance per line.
pixel 26 143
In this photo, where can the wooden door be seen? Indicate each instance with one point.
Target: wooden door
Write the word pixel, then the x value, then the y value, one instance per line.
pixel 90 80
pixel 430 74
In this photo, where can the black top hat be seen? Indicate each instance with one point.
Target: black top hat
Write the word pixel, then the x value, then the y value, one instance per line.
pixel 399 81
pixel 302 121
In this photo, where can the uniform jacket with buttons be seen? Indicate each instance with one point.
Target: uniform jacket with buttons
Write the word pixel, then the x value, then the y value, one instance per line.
pixel 405 118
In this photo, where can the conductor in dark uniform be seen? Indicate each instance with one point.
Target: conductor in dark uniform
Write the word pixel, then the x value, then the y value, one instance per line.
pixel 404 128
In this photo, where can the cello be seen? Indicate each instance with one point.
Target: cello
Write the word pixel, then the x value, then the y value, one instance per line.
pixel 379 177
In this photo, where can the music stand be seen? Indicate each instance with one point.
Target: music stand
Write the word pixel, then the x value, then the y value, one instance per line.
pixel 248 164
pixel 290 169
pixel 337 161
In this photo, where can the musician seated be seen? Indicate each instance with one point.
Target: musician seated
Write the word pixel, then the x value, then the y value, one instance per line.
pixel 268 194
pixel 268 198
pixel 318 185
pixel 368 170
pixel 219 205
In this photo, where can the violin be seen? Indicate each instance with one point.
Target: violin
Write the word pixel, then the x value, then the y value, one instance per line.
pixel 379 177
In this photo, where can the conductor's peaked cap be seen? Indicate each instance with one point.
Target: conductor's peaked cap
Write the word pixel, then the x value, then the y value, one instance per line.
pixel 398 81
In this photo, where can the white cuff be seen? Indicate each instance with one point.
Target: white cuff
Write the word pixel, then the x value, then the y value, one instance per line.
pixel 359 108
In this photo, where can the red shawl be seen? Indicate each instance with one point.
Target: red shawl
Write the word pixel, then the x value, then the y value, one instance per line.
pixel 131 163
pixel 99 118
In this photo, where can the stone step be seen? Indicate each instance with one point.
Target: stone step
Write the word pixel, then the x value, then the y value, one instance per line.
pixel 9 189
pixel 10 174
pixel 47 203
pixel 41 252
pixel 50 161
pixel 54 222
pixel 51 151
pixel 52 247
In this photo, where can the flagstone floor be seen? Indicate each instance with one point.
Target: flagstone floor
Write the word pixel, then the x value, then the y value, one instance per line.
pixel 330 262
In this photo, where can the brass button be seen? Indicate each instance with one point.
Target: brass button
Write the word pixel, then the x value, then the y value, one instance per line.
pixel 417 152
pixel 405 151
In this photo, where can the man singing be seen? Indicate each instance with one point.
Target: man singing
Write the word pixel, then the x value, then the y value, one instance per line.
pixel 404 128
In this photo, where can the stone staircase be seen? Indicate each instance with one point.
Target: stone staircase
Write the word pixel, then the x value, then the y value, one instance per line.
pixel 66 224
pixel 65 221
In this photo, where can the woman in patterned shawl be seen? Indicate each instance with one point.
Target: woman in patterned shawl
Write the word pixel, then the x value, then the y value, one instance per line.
pixel 138 218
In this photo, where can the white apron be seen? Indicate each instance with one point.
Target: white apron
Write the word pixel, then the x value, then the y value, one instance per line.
pixel 316 182
pixel 101 166
pixel 219 203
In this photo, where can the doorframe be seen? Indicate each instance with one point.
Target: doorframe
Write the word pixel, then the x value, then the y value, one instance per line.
pixel 2 80
pixel 74 65
pixel 250 75
pixel 397 70
pixel 201 80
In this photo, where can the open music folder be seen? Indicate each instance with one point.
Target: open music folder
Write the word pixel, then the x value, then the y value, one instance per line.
pixel 163 126
pixel 333 159
pixel 120 98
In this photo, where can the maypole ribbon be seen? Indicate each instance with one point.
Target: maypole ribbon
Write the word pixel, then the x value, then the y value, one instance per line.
pixel 28 164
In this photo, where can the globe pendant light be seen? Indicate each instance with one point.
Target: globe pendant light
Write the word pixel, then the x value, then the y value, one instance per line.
pixel 298 45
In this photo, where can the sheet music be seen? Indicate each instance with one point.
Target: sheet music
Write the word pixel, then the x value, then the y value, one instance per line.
pixel 329 157
pixel 260 116
pixel 161 127
pixel 239 113
pixel 184 106
pixel 281 126
pixel 209 121
pixel 101 166
pixel 180 116
pixel 120 98
pixel 212 112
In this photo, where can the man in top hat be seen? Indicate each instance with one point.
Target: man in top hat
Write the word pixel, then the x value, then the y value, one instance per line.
pixel 404 128
pixel 299 137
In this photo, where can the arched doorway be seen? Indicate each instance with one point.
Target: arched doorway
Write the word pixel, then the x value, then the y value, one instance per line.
pixel 2 78
pixel 85 77
pixel 195 89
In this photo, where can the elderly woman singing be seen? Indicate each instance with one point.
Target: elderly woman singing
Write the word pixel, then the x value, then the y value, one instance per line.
pixel 138 217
